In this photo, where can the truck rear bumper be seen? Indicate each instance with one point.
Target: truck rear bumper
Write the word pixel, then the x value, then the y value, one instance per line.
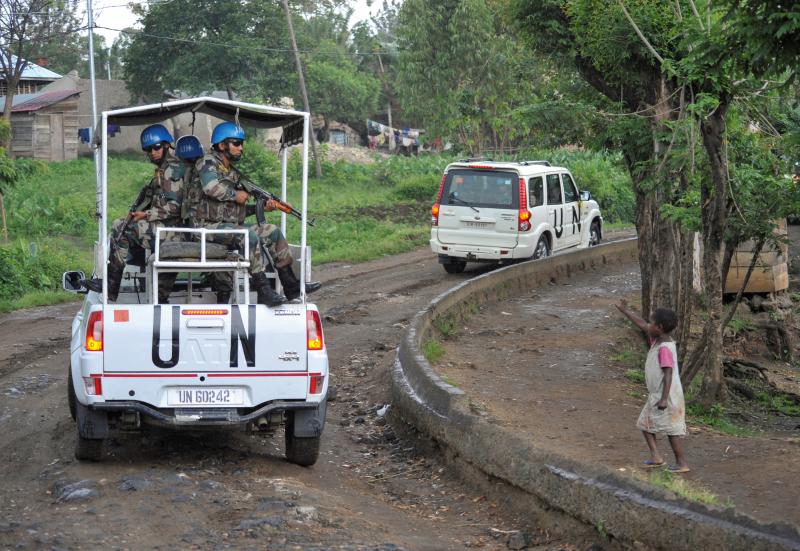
pixel 200 417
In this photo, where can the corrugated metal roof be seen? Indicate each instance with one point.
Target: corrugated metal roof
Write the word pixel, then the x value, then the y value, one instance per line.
pixel 33 102
pixel 33 71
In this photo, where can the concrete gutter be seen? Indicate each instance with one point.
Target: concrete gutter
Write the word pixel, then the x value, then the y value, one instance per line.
pixel 625 508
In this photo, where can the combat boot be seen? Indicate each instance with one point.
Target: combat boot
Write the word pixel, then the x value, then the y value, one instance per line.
pixel 114 281
pixel 165 283
pixel 291 285
pixel 266 294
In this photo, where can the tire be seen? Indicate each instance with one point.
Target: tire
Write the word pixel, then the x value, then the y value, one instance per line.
pixel 542 249
pixel 594 234
pixel 301 451
pixel 454 266
pixel 71 395
pixel 87 449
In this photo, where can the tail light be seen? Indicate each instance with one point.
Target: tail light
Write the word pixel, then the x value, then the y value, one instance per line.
pixel 524 218
pixel 435 207
pixel 93 385
pixel 314 331
pixel 316 382
pixel 94 332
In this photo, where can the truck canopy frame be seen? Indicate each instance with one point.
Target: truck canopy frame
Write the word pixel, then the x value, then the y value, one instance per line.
pixel 296 128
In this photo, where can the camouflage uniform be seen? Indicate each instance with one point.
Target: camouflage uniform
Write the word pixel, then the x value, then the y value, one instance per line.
pixel 216 208
pixel 165 192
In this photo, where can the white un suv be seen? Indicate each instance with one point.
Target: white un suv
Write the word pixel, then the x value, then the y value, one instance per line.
pixel 489 211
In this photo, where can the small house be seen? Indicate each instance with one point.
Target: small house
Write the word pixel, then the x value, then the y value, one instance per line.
pixel 44 125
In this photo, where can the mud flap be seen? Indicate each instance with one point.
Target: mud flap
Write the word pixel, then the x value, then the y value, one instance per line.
pixel 308 423
pixel 91 424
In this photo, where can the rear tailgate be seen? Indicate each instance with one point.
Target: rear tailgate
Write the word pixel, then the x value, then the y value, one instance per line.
pixel 479 208
pixel 259 350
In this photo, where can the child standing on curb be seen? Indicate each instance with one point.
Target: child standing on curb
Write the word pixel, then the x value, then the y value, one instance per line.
pixel 665 411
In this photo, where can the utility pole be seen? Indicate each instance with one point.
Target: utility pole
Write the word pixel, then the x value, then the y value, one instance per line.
pixel 388 104
pixel 108 64
pixel 302 85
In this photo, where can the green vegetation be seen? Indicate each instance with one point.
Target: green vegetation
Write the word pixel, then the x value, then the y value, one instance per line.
pixel 716 417
pixel 446 326
pixel 737 325
pixel 362 211
pixel 632 357
pixel 433 351
pixel 448 380
pixel 686 489
pixel 635 375
pixel 780 403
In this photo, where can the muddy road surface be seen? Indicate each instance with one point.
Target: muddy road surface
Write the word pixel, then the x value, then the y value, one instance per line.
pixel 370 489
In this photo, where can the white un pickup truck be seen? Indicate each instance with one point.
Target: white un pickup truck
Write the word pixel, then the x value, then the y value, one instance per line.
pixel 194 363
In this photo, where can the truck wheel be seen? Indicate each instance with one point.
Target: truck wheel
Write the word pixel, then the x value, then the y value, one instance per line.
pixel 594 234
pixel 87 449
pixel 71 395
pixel 300 451
pixel 454 266
pixel 542 249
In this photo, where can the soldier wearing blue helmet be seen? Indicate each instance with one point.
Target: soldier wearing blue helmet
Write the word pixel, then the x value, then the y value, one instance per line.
pixel 161 207
pixel 223 206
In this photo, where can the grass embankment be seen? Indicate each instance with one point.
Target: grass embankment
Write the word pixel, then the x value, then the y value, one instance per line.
pixel 362 211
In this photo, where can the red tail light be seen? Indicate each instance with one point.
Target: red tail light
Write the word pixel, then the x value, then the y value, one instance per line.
pixel 435 207
pixel 93 385
pixel 316 382
pixel 524 219
pixel 94 332
pixel 314 331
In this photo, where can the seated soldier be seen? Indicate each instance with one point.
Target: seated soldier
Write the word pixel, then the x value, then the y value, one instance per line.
pixel 161 207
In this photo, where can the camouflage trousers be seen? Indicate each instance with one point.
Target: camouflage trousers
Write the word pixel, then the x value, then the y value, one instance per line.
pixel 138 235
pixel 268 234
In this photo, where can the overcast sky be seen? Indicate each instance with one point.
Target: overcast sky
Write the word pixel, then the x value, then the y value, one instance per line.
pixel 115 14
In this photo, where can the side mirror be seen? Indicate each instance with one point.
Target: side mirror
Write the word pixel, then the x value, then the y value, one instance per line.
pixel 585 195
pixel 73 281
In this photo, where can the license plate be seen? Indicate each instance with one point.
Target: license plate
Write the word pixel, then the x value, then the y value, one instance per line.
pixel 205 396
pixel 477 224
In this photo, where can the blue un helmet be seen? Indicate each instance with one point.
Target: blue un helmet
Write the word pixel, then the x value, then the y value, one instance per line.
pixel 188 148
pixel 154 134
pixel 227 130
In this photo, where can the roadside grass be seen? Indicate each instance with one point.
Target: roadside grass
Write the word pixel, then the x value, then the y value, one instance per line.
pixel 635 375
pixel 433 351
pixel 448 380
pixel 686 489
pixel 717 418
pixel 631 357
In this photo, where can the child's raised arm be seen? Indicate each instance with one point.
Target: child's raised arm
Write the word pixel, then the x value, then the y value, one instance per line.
pixel 635 318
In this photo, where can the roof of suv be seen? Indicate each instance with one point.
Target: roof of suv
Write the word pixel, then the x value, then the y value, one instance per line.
pixel 523 168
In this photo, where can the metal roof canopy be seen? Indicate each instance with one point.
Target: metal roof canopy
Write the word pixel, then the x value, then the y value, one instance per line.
pixel 245 114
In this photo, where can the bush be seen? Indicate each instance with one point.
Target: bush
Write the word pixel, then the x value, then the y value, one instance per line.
pixel 31 266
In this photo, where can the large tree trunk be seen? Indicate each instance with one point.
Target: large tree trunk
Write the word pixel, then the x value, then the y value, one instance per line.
pixel 713 198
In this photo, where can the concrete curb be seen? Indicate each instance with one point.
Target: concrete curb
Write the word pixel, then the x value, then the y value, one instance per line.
pixel 626 509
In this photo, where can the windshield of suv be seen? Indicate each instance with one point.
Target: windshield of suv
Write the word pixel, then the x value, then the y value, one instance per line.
pixel 481 188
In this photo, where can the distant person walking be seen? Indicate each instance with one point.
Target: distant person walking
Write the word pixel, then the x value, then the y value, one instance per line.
pixel 665 410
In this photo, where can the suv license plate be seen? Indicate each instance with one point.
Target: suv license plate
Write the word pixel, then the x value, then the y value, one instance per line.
pixel 205 397
pixel 477 224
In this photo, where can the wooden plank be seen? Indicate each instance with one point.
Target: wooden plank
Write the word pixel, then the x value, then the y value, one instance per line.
pixel 769 258
pixel 766 279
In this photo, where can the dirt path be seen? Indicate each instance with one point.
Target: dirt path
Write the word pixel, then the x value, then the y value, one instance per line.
pixel 555 357
pixel 369 490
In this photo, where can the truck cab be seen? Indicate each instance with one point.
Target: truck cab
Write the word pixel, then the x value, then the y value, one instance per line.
pixel 194 363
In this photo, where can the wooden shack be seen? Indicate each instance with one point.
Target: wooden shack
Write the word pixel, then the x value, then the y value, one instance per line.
pixel 45 125
pixel 771 272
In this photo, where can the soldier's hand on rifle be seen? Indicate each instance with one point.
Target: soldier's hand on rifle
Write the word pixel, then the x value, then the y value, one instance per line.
pixel 242 196
pixel 270 205
pixel 139 215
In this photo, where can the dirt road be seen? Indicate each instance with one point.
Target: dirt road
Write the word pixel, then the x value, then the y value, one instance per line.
pixel 369 490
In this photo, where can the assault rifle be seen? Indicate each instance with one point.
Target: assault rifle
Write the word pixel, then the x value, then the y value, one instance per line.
pixel 142 201
pixel 262 196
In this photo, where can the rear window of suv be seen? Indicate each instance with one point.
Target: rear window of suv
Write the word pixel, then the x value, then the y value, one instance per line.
pixel 481 188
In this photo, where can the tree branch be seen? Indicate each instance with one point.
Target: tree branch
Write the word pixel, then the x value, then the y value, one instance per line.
pixel 639 33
